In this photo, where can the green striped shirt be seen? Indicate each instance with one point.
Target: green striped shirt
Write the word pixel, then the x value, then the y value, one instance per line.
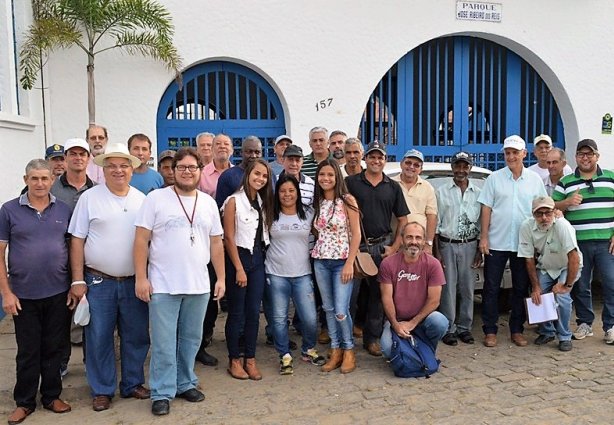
pixel 593 219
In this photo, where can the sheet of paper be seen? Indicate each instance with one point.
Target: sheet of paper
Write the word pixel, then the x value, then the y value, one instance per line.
pixel 544 312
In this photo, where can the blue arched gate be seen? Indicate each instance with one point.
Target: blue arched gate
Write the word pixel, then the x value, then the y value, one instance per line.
pixel 219 97
pixel 460 93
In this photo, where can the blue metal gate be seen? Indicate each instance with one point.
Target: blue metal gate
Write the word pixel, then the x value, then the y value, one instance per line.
pixel 219 97
pixel 460 93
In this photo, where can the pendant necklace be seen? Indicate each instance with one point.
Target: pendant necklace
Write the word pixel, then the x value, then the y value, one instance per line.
pixel 190 219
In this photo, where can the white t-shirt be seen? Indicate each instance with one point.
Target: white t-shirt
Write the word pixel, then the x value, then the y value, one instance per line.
pixel 176 265
pixel 288 253
pixel 106 222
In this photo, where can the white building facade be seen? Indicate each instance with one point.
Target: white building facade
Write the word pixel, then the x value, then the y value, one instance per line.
pixel 394 70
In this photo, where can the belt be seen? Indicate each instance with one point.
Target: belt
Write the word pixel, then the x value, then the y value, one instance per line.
pixel 378 239
pixel 106 276
pixel 448 240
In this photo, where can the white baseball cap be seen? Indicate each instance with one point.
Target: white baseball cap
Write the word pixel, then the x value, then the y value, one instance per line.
pixel 514 142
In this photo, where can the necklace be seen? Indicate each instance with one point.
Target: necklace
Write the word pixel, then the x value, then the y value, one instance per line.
pixel 190 219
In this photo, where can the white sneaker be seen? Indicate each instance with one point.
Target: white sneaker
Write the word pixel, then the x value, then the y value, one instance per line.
pixel 585 330
pixel 609 336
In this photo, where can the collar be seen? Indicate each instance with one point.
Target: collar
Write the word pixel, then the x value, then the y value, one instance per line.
pixel 301 176
pixel 509 174
pixel 364 178
pixel 88 182
pixel 470 185
pixel 598 172
pixel 25 202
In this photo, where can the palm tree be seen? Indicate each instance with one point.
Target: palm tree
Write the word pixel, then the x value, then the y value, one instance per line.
pixel 95 26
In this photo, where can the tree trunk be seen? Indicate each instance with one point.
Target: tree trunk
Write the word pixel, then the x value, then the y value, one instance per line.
pixel 91 91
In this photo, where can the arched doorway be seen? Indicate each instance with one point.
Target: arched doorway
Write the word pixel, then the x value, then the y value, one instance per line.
pixel 457 93
pixel 220 97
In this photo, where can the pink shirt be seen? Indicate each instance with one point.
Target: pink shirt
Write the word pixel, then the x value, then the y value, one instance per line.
pixel 94 171
pixel 208 179
pixel 410 282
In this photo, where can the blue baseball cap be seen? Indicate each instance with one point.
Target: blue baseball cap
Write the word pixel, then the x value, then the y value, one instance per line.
pixel 53 151
pixel 414 153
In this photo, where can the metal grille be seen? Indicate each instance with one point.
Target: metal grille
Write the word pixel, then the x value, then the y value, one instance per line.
pixel 458 93
pixel 220 97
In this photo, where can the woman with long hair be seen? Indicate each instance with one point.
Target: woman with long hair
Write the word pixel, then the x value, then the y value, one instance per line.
pixel 247 218
pixel 289 273
pixel 336 222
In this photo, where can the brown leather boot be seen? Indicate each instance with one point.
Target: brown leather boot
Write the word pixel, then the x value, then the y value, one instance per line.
pixel 235 369
pixel 336 357
pixel 252 370
pixel 349 361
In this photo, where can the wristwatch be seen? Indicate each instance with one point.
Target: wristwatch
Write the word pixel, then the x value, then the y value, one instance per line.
pixel 569 285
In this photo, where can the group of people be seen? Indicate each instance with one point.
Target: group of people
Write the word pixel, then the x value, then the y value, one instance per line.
pixel 153 253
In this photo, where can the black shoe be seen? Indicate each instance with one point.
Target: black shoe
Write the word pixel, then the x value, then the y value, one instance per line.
pixel 565 346
pixel 192 395
pixel 292 345
pixel 543 340
pixel 449 339
pixel 269 340
pixel 160 407
pixel 206 358
pixel 466 337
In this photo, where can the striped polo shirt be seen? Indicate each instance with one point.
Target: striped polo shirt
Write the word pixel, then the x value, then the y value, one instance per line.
pixel 593 219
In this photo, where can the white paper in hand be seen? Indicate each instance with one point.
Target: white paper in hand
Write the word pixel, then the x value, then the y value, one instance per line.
pixel 82 312
pixel 544 312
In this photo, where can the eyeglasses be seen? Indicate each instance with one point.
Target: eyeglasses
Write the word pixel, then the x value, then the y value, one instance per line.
pixel 191 168
pixel 122 167
pixel 585 154
pixel 538 214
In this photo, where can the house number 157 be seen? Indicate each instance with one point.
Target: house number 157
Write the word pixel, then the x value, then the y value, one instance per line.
pixel 323 104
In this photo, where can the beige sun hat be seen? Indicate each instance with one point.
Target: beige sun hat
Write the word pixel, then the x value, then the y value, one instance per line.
pixel 117 150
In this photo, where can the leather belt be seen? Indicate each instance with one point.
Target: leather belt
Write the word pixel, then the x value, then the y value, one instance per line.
pixel 378 239
pixel 106 276
pixel 448 240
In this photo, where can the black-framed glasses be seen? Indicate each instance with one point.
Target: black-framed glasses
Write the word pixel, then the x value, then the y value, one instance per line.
pixel 190 168
pixel 538 214
pixel 589 183
pixel 585 154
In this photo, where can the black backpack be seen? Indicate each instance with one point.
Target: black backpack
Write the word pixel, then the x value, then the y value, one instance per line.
pixel 413 357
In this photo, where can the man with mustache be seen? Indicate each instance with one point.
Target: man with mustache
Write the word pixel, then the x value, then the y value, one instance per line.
pixel 410 283
pixel 456 247
pixel 553 263
pixel 336 141
pixel 97 137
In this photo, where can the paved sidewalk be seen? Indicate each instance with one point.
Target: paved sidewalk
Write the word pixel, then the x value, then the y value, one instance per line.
pixel 476 385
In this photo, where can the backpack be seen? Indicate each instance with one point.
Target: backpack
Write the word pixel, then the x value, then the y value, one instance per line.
pixel 413 357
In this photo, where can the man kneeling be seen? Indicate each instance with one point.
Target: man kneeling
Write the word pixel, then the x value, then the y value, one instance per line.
pixel 410 283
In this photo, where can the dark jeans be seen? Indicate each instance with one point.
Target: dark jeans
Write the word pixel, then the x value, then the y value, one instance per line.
pixel 374 320
pixel 244 302
pixel 212 311
pixel 42 331
pixel 494 266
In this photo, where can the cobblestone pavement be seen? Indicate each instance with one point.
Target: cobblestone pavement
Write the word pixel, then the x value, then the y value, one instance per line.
pixel 476 385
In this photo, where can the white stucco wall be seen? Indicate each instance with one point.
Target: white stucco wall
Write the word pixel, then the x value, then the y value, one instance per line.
pixel 340 49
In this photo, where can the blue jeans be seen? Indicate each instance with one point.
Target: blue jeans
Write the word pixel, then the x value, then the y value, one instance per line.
pixel 435 326
pixel 494 266
pixel 595 254
pixel 560 327
pixel 279 290
pixel 460 278
pixel 335 302
pixel 113 303
pixel 176 332
pixel 244 303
